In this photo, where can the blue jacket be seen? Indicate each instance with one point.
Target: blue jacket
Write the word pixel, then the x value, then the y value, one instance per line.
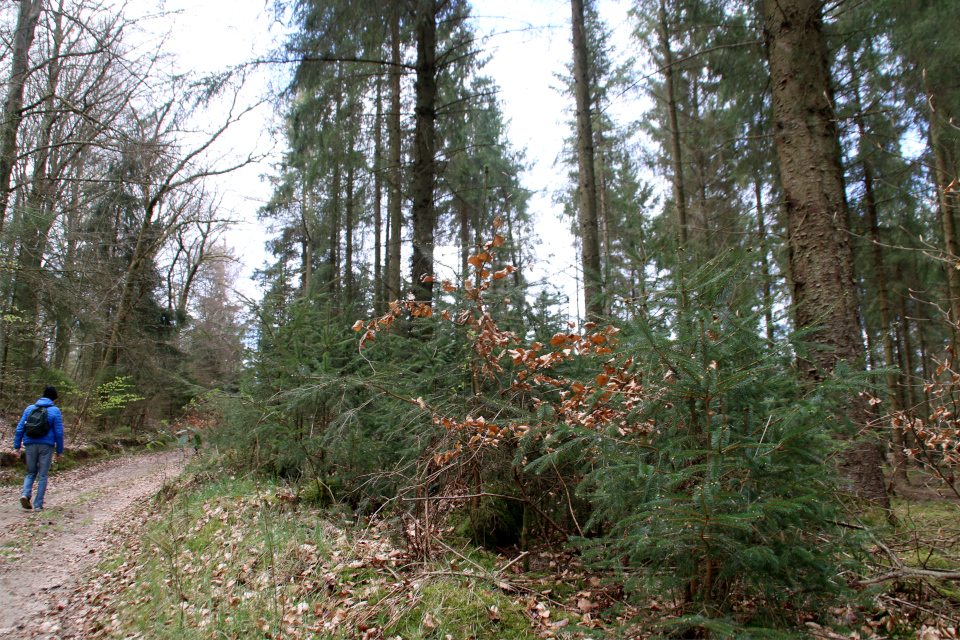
pixel 54 419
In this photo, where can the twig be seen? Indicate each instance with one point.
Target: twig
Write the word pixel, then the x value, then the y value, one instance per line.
pixel 918 607
pixel 454 551
pixel 512 562
pixel 848 525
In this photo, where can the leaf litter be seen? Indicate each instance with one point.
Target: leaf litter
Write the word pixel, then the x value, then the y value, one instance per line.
pixel 226 558
pixel 209 557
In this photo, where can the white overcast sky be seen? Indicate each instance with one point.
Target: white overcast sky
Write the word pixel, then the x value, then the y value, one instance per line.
pixel 529 43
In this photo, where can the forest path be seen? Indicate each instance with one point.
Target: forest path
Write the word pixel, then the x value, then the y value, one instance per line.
pixel 43 555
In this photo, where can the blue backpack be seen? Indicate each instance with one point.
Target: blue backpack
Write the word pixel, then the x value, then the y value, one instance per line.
pixel 36 426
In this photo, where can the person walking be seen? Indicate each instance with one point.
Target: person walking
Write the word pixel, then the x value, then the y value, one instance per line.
pixel 41 431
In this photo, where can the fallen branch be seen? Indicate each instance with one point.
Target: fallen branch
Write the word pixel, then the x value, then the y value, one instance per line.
pixel 909 572
pixel 465 497
pixel 913 605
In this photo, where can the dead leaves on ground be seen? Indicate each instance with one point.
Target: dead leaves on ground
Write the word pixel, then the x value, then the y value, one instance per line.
pixel 254 561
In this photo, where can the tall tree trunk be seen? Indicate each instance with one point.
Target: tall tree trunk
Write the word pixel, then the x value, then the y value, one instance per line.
pixel 925 366
pixel 821 258
pixel 464 211
pixel 424 151
pixel 378 286
pixel 676 159
pixel 142 252
pixel 605 217
pixel 896 404
pixel 306 253
pixel 348 263
pixel 394 202
pixel 65 322
pixel 336 273
pixel 195 262
pixel 335 265
pixel 516 256
pixel 38 214
pixel 589 247
pixel 886 324
pixel 13 105
pixel 910 400
pixel 702 223
pixel 766 288
pixel 945 197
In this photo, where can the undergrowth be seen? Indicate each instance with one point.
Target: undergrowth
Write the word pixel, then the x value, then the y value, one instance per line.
pixel 234 556
pixel 217 555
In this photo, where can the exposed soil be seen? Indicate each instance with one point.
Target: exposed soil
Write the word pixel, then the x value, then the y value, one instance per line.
pixel 44 555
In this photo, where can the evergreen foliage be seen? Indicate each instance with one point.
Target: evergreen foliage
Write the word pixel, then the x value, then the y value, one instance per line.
pixel 697 459
pixel 716 486
pixel 686 439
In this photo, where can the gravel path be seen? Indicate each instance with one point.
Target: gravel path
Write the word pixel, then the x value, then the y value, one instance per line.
pixel 43 555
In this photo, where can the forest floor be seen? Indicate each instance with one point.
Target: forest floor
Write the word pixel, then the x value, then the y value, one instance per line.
pixel 44 555
pixel 132 548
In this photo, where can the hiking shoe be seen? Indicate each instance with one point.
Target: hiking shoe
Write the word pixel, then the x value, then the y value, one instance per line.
pixel 25 503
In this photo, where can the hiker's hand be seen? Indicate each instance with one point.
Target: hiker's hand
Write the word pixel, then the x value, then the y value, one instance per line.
pixel 59 457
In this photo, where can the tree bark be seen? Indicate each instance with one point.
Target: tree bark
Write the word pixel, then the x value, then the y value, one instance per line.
pixel 424 150
pixel 589 247
pixel 602 188
pixel 13 105
pixel 766 289
pixel 335 264
pixel 394 203
pixel 676 159
pixel 306 252
pixel 947 221
pixel 348 232
pixel 886 324
pixel 38 215
pixel 379 296
pixel 910 400
pixel 820 254
pixel 465 244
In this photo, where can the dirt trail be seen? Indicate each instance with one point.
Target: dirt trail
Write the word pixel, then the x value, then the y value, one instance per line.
pixel 44 554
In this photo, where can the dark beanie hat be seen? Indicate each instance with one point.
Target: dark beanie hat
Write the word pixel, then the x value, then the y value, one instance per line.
pixel 50 392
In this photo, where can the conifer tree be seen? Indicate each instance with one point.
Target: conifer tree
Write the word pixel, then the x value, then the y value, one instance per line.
pixel 811 173
pixel 589 243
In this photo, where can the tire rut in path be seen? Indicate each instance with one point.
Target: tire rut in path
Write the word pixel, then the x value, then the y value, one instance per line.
pixel 43 555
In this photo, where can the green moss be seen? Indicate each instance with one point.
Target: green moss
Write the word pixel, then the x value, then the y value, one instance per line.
pixel 460 609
